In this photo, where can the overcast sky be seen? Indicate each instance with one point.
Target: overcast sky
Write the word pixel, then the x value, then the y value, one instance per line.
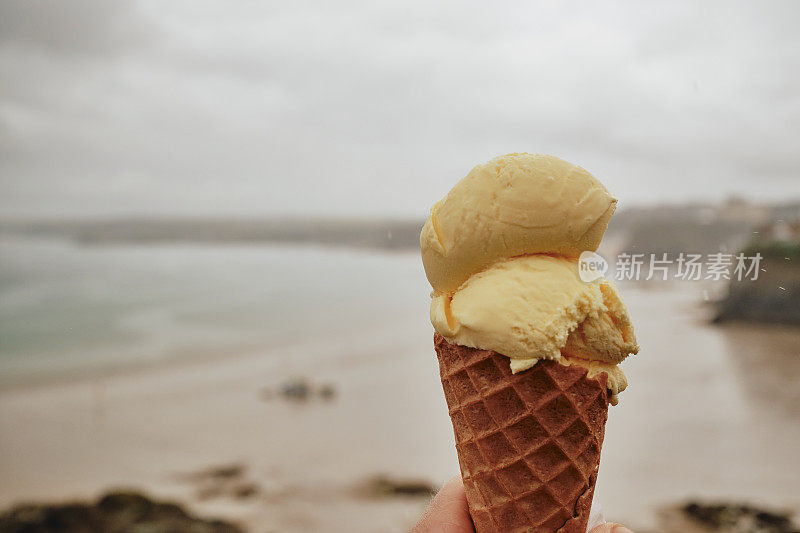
pixel 377 108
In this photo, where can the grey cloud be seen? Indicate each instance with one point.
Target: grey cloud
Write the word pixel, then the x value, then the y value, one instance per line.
pixel 76 27
pixel 315 107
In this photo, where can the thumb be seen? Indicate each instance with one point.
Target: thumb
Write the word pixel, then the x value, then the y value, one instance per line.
pixel 610 528
pixel 448 512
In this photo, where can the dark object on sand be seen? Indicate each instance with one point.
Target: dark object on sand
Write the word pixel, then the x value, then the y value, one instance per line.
pixel 223 481
pixel 382 485
pixel 737 518
pixel 245 490
pixel 232 471
pixel 296 389
pixel 119 512
pixel 301 390
pixel 327 391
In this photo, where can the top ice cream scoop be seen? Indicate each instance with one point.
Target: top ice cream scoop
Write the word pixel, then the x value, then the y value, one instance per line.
pixel 501 252
pixel 513 205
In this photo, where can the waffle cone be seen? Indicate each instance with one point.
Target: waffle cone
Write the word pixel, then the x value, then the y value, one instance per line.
pixel 528 443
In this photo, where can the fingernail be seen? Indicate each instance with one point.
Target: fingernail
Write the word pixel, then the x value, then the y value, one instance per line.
pixel 620 529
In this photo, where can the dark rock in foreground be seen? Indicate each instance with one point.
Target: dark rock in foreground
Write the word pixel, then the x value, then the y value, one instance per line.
pixel 744 518
pixel 725 517
pixel 116 512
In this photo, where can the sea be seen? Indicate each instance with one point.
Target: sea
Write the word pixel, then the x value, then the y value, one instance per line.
pixel 68 308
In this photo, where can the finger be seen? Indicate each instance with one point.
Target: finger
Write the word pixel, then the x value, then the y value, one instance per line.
pixel 448 512
pixel 610 528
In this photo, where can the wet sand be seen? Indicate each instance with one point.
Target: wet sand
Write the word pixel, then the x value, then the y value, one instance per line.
pixel 710 413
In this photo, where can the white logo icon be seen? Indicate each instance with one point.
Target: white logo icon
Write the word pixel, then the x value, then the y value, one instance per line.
pixel 591 266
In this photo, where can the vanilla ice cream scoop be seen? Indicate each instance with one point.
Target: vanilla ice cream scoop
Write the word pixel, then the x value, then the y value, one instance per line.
pixel 513 205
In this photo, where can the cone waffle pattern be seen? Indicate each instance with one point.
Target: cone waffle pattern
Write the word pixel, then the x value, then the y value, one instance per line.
pixel 528 443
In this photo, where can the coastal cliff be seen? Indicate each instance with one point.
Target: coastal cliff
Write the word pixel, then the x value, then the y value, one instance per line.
pixel 774 296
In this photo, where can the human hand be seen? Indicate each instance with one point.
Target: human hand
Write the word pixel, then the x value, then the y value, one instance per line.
pixel 448 513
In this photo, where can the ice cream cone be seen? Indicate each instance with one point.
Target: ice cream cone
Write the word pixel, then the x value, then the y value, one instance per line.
pixel 529 350
pixel 528 443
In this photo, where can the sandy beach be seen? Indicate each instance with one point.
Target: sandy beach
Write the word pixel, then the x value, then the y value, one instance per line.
pixel 710 413
pixel 309 460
